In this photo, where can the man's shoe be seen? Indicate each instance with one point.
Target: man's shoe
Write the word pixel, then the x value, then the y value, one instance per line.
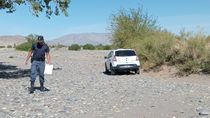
pixel 32 88
pixel 42 88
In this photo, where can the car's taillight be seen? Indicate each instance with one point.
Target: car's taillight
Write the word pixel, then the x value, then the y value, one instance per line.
pixel 137 59
pixel 114 59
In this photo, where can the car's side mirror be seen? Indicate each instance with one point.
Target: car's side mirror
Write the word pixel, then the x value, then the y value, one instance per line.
pixel 105 57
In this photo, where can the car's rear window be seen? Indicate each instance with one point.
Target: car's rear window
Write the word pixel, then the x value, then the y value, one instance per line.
pixel 125 53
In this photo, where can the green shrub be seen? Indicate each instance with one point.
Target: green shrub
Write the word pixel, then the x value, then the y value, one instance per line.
pixel 2 46
pixel 155 50
pixel 99 47
pixel 89 47
pixel 192 55
pixel 206 67
pixel 11 57
pixel 103 47
pixel 129 26
pixel 107 47
pixel 14 46
pixel 9 46
pixel 59 46
pixel 52 46
pixel 74 47
pixel 189 67
pixel 27 45
pixel 24 46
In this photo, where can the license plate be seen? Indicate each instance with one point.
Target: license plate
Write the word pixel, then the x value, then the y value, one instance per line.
pixel 125 66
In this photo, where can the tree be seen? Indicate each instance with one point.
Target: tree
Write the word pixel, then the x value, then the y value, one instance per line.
pixel 129 26
pixel 27 45
pixel 37 6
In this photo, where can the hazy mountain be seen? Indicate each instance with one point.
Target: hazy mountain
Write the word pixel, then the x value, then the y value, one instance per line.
pixel 83 38
pixel 11 40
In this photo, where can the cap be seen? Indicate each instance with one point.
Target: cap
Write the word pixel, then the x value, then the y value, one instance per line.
pixel 40 38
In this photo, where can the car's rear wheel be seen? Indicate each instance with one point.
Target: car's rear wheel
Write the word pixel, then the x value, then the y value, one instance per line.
pixel 112 72
pixel 137 71
pixel 106 70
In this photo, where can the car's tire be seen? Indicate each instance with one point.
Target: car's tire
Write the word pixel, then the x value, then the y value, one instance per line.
pixel 137 71
pixel 106 70
pixel 112 72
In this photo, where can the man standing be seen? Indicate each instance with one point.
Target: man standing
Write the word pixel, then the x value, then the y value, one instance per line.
pixel 38 52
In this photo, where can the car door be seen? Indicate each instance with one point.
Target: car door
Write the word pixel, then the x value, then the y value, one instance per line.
pixel 108 60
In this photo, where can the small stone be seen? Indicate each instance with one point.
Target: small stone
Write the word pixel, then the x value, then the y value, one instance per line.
pixel 39 114
pixel 12 110
pixel 201 111
pixel 4 108
pixel 82 112
pixel 27 114
pixel 204 112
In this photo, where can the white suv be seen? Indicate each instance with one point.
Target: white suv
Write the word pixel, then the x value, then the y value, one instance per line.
pixel 124 60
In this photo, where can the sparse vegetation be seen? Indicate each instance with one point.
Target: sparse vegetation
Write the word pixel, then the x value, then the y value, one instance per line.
pixel 27 45
pixel 59 46
pixel 2 46
pixel 88 47
pixel 9 46
pixel 14 46
pixel 103 47
pixel 11 57
pixel 75 47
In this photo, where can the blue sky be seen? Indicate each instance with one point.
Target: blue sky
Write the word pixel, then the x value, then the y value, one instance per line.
pixel 87 16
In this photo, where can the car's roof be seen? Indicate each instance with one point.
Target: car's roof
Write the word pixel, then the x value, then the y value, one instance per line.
pixel 122 49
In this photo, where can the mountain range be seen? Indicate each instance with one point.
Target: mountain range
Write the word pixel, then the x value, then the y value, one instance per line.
pixel 83 38
pixel 12 40
pixel 80 38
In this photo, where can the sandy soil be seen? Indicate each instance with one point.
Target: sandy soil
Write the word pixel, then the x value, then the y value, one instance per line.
pixel 79 88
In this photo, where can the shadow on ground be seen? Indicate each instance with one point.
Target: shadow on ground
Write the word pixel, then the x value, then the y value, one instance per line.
pixel 12 72
pixel 38 88
pixel 119 73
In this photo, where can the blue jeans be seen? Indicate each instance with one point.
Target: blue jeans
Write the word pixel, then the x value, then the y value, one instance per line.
pixel 37 68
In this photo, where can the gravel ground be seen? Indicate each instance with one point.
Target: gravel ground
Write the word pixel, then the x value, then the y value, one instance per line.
pixel 78 88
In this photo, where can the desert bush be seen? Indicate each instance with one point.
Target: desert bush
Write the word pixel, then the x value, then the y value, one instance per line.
pixel 75 47
pixel 11 57
pixel 156 49
pixel 58 46
pixel 189 67
pixel 107 47
pixel 129 26
pixel 89 47
pixel 24 46
pixel 27 45
pixel 9 46
pixel 99 47
pixel 2 46
pixel 52 46
pixel 103 47
pixel 191 55
pixel 14 46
